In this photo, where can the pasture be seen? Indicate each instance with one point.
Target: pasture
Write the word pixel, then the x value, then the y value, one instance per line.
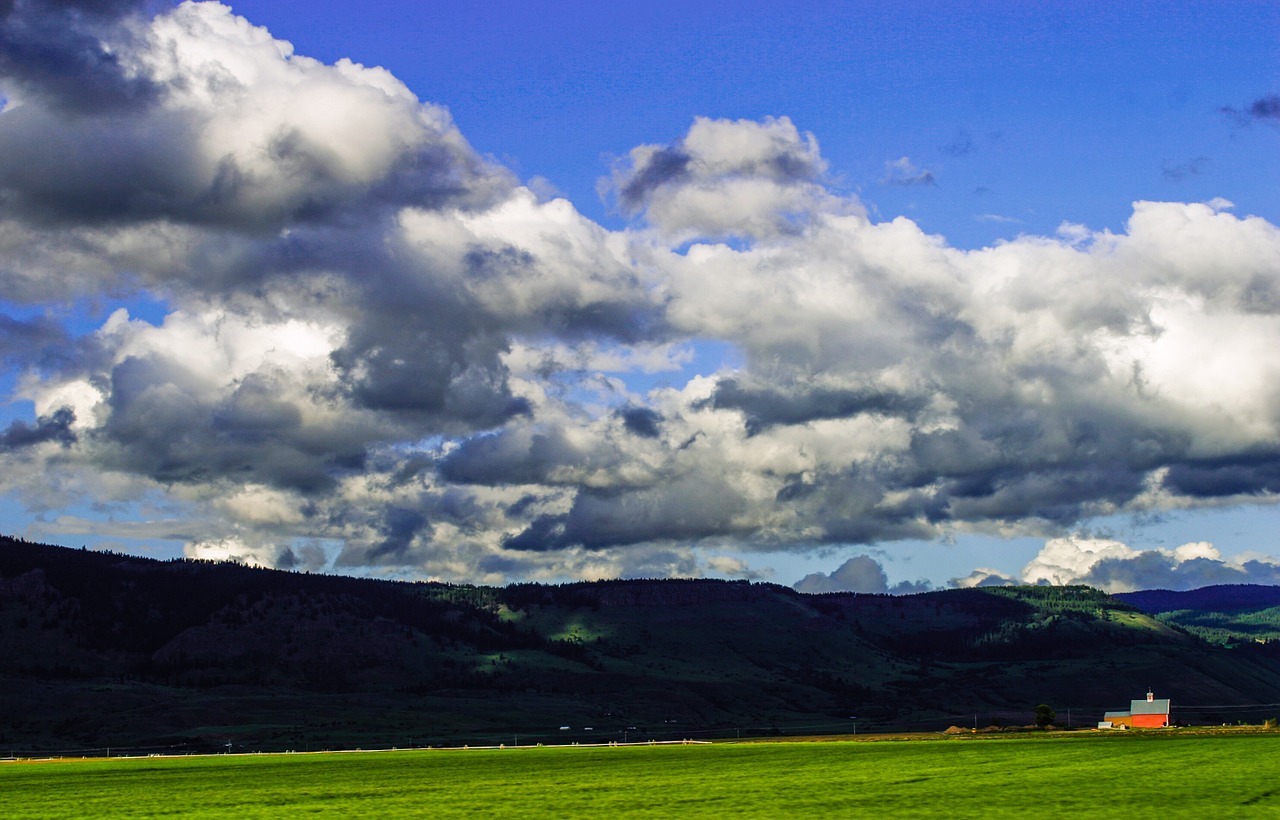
pixel 1131 775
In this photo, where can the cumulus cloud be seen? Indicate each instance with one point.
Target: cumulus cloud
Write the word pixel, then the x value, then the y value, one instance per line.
pixel 1113 566
pixel 984 577
pixel 377 340
pixel 725 178
pixel 237 131
pixel 728 566
pixel 302 558
pixel 862 573
pixel 1064 560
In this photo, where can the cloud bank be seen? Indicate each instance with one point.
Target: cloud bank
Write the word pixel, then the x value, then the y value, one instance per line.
pixel 382 353
pixel 1113 566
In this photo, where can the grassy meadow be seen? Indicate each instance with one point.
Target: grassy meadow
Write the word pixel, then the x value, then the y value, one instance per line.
pixel 1132 775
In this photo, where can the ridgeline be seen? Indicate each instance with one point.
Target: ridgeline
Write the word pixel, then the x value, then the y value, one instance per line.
pixel 105 650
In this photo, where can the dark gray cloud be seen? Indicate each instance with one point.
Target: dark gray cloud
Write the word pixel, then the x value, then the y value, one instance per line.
pixel 41 343
pixel 163 424
pixel 766 405
pixel 54 427
pixel 399 527
pixel 641 421
pixel 664 166
pixel 852 507
pixel 546 532
pixel 1158 570
pixel 444 382
pixel 681 510
pixel 68 52
pixel 1059 496
pixel 1250 473
pixel 518 456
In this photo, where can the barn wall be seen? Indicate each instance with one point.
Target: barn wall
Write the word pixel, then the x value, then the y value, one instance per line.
pixel 1150 721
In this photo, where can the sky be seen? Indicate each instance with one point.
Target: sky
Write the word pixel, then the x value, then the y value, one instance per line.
pixel 868 296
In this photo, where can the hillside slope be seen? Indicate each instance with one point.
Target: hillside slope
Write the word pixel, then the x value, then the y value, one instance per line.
pixel 1227 614
pixel 100 649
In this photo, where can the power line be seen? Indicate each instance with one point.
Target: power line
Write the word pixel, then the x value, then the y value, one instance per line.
pixel 1229 706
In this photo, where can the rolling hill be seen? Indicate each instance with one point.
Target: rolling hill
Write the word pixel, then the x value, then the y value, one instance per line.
pixel 1227 614
pixel 99 649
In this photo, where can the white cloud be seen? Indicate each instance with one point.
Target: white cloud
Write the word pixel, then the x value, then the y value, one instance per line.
pixel 1115 567
pixel 727 178
pixel 1064 560
pixel 984 577
pixel 729 566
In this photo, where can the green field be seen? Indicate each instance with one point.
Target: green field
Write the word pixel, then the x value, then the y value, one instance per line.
pixel 1120 775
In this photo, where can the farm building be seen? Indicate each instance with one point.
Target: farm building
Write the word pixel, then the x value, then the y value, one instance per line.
pixel 1149 713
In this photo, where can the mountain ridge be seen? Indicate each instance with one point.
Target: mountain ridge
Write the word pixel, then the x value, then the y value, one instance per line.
pixel 99 648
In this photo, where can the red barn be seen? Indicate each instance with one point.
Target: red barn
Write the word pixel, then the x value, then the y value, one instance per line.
pixel 1148 714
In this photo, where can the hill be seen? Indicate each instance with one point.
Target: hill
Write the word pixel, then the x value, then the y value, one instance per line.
pixel 99 649
pixel 1227 614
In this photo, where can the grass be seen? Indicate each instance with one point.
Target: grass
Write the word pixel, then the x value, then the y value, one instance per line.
pixel 1131 775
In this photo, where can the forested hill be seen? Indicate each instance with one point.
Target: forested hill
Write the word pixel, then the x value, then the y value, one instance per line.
pixel 99 648
pixel 1221 598
pixel 1228 614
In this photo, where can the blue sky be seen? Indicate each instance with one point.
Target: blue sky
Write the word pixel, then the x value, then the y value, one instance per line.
pixel 1036 113
pixel 541 291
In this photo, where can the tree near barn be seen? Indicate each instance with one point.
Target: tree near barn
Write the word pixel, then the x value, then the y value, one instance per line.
pixel 1045 716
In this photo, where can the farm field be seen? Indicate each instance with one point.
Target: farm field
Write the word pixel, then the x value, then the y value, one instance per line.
pixel 1130 775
